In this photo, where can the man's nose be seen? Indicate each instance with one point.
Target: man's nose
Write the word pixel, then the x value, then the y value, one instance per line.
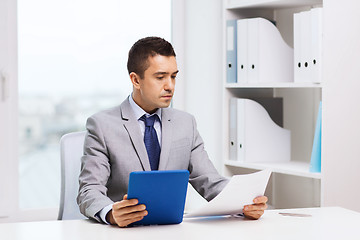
pixel 169 84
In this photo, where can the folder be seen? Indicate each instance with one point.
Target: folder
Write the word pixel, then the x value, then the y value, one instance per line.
pixel 316 44
pixel 274 50
pixel 253 52
pixel 231 51
pixel 269 58
pixel 306 45
pixel 298 62
pixel 237 133
pixel 254 137
pixel 315 162
pixel 242 50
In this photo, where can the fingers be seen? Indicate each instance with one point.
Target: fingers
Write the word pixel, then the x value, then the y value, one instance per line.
pixel 124 209
pixel 125 203
pixel 255 207
pixel 260 199
pixel 256 210
pixel 127 211
pixel 253 215
pixel 129 221
pixel 126 219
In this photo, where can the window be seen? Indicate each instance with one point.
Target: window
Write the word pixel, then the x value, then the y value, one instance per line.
pixel 72 58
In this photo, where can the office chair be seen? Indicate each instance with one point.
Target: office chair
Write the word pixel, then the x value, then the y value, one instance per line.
pixel 71 147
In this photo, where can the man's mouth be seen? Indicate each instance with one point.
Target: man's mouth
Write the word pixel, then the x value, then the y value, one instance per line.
pixel 167 96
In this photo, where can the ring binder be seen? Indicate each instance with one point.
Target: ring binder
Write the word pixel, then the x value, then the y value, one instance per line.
pixel 254 137
pixel 307 46
pixel 263 56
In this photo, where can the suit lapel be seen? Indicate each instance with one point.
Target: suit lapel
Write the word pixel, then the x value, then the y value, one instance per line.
pixel 166 136
pixel 132 127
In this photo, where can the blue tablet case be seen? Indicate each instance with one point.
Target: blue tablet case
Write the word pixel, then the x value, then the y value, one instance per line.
pixel 163 193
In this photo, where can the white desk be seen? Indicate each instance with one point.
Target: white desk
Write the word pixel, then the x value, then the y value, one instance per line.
pixel 325 223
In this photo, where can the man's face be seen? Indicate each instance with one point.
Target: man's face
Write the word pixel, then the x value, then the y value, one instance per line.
pixel 156 89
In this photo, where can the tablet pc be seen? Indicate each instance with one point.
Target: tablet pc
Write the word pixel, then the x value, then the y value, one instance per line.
pixel 162 192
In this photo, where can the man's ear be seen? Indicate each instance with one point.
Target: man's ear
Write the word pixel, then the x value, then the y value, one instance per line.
pixel 135 80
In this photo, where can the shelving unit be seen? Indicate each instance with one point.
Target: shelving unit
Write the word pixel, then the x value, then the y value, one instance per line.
pixel 292 184
pixel 273 85
pixel 294 168
pixel 246 4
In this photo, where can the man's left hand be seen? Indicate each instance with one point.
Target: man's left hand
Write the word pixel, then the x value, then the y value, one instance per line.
pixel 256 210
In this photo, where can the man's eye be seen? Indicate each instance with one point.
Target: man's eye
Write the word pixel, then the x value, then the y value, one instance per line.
pixel 160 77
pixel 173 77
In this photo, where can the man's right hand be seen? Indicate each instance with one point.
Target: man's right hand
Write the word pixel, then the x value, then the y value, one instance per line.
pixel 126 212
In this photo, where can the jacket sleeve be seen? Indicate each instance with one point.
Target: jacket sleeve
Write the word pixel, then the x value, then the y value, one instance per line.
pixel 95 172
pixel 203 176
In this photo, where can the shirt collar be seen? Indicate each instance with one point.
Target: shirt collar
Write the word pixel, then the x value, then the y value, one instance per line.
pixel 139 111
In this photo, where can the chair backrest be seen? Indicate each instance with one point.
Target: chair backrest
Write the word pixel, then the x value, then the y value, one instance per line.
pixel 71 150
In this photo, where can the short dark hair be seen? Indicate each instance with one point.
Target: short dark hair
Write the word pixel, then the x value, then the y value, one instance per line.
pixel 145 47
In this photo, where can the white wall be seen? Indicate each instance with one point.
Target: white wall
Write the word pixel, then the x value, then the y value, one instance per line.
pixel 197 39
pixel 341 111
pixel 203 71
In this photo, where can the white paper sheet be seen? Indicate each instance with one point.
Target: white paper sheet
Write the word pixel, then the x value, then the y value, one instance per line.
pixel 240 191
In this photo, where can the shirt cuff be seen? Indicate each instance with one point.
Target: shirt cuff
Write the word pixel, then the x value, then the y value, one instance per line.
pixel 103 213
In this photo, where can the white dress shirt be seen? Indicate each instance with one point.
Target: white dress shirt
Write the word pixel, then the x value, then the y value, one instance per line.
pixel 139 112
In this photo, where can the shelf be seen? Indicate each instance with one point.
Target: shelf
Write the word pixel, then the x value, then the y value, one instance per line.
pixel 234 4
pixel 273 85
pixel 294 168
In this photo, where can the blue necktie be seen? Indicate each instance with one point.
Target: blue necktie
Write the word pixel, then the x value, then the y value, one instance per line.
pixel 151 141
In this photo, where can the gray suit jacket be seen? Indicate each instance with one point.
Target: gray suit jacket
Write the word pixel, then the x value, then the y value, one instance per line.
pixel 114 148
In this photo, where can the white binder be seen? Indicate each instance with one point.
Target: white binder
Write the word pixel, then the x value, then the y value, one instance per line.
pixel 237 133
pixel 231 52
pixel 254 50
pixel 308 46
pixel 242 50
pixel 269 58
pixel 298 62
pixel 316 44
pixel 254 137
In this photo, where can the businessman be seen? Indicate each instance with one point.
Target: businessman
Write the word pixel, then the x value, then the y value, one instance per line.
pixel 143 134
